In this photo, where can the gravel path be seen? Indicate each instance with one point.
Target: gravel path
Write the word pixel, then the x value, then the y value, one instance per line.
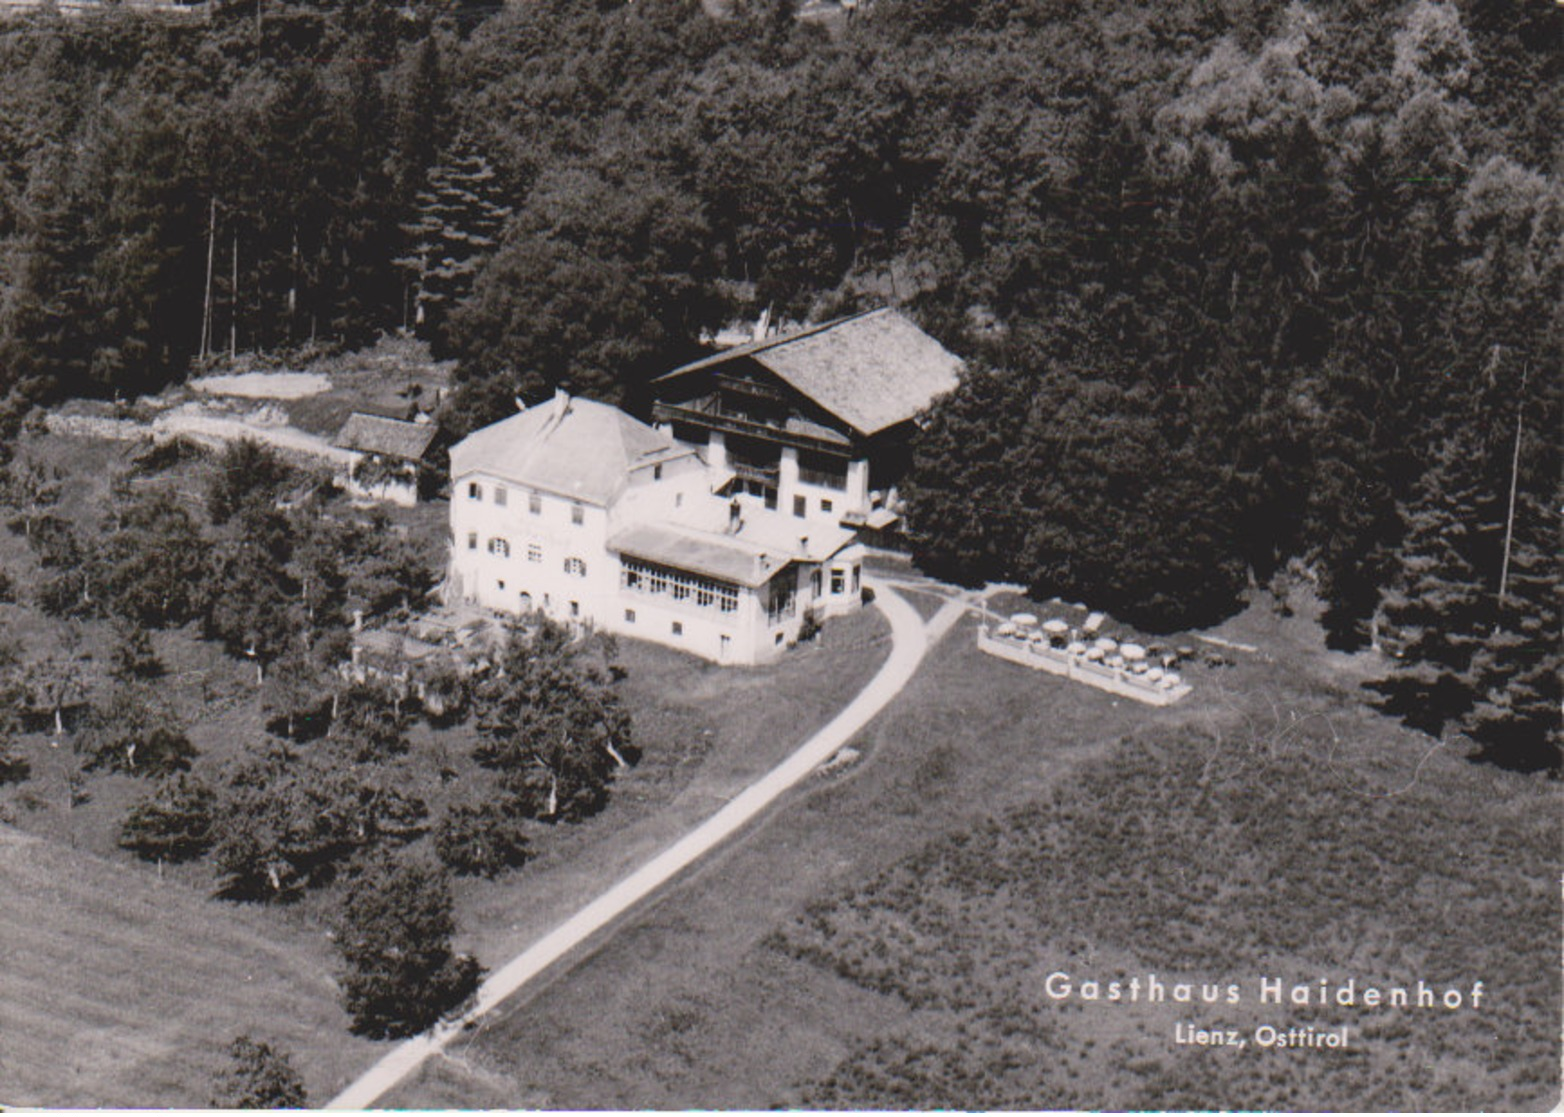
pixel 910 640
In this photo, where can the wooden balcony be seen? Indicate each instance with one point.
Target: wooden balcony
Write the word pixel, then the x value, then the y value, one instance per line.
pixel 748 428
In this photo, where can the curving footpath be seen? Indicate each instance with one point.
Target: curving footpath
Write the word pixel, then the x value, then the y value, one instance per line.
pixel 909 641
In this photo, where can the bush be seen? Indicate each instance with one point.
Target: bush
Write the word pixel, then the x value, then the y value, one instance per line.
pixel 394 932
pixel 135 732
pixel 162 456
pixel 481 839
pixel 134 658
pixel 248 473
pixel 174 823
pixel 258 1077
pixel 14 767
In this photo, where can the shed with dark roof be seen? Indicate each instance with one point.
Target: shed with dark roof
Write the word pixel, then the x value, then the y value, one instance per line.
pixel 387 438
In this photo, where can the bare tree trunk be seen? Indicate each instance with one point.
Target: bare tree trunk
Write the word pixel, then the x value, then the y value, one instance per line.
pixel 1515 474
pixel 211 257
pixel 233 316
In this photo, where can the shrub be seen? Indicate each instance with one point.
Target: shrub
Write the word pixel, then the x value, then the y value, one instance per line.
pixel 174 823
pixel 135 732
pixel 394 932
pixel 481 839
pixel 258 1077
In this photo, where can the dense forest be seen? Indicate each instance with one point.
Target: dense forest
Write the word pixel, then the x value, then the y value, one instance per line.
pixel 1251 292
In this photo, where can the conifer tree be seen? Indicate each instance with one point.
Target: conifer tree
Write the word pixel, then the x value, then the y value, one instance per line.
pixel 458 213
pixel 1439 607
pixel 1516 672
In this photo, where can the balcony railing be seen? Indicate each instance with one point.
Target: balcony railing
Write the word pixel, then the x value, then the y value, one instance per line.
pixel 732 424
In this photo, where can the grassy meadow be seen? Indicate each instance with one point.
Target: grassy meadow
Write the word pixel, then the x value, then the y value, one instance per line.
pixel 98 945
pixel 882 941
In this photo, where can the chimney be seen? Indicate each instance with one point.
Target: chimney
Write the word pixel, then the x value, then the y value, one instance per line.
pixel 735 516
pixel 558 407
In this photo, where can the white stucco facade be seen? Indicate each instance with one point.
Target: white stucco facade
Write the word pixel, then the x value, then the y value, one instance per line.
pixel 577 511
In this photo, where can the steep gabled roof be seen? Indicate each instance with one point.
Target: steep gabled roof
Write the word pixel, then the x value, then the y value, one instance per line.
pixel 871 370
pixel 390 438
pixel 570 447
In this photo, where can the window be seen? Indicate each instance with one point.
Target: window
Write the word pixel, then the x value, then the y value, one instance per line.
pixel 577 514
pixel 575 567
pixel 474 491
pixel 814 582
pixel 825 505
pixel 629 616
pixel 657 473
pixel 646 577
pixel 838 579
pixel 727 646
pixel 499 495
pixel 678 500
pixel 526 602
pixel 857 579
pixel 678 628
pixel 535 504
pixel 534 552
pixel 472 540
pixel 575 608
pixel 502 583
pixel 800 506
pixel 498 546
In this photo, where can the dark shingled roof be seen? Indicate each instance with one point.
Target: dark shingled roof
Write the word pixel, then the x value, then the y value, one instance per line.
pixel 871 370
pixel 390 438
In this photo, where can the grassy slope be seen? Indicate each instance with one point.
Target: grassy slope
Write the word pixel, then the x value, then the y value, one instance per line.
pixel 704 733
pixel 687 1005
pixel 118 989
pixel 896 924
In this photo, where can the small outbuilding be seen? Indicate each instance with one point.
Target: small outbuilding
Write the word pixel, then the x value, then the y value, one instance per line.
pixel 393 458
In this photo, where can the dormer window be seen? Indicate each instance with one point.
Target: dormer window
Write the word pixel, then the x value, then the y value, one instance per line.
pixel 577 514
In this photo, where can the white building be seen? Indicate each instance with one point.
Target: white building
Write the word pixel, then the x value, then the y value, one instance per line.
pixel 574 509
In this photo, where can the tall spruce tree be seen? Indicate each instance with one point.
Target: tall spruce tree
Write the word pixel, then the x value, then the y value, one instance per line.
pixel 1439 608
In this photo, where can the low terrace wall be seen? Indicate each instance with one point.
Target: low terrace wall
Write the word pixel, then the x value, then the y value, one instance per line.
pixel 1043 658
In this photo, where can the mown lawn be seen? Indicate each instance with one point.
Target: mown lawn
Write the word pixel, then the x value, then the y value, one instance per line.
pixel 118 989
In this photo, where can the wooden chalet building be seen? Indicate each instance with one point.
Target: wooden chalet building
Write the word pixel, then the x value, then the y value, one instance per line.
pixel 813 423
